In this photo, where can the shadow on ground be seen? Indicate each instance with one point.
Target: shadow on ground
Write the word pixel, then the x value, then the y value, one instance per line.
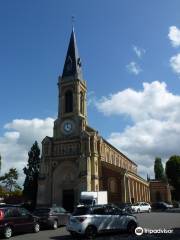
pixel 174 236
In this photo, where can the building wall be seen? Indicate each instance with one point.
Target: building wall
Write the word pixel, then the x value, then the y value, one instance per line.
pixel 160 191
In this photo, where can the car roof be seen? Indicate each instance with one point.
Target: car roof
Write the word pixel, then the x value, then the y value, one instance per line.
pixel 8 206
pixel 98 206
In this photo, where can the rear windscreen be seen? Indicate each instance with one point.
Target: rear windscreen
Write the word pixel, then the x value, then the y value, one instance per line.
pixel 81 211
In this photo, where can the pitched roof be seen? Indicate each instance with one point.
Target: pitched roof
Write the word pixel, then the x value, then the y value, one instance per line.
pixel 72 65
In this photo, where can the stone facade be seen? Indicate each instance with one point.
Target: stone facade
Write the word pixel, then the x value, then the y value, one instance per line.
pixel 77 158
pixel 160 191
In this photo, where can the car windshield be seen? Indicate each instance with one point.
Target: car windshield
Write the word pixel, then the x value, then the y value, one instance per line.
pixel 81 211
pixel 62 210
pixel 136 204
pixel 123 205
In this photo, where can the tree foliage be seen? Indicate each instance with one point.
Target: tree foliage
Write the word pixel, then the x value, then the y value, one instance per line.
pixel 9 180
pixel 173 174
pixel 32 172
pixel 158 169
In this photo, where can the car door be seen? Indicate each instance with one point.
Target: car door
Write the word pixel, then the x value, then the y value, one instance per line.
pixel 63 216
pixel 26 220
pixel 142 207
pixel 113 217
pixel 146 207
pixel 118 219
pixel 100 218
pixel 11 217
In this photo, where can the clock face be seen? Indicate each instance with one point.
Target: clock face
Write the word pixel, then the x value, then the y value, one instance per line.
pixel 67 126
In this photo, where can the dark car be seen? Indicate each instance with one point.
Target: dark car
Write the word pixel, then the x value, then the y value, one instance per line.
pixel 16 219
pixel 162 206
pixel 125 207
pixel 52 217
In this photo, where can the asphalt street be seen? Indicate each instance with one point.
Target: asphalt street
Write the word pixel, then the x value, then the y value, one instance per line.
pixel 152 221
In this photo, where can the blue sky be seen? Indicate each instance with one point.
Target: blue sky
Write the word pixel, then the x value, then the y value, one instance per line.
pixel 122 44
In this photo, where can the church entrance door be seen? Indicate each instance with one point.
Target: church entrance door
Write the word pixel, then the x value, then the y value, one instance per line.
pixel 68 199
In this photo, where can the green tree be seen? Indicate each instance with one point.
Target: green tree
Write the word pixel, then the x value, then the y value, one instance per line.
pixel 173 174
pixel 32 172
pixel 158 169
pixel 9 180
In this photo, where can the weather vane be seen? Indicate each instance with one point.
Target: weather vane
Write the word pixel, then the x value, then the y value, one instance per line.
pixel 72 21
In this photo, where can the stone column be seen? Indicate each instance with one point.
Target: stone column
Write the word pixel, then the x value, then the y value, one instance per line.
pixel 88 174
pixel 123 187
pixel 135 192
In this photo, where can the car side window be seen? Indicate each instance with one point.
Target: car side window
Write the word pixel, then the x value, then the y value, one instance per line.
pixel 8 213
pixel 55 210
pixel 23 212
pixel 113 211
pixel 15 212
pixel 61 210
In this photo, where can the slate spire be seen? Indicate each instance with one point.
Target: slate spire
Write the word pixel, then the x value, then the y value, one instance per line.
pixel 72 65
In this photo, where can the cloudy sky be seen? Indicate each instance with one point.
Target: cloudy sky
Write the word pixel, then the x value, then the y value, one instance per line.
pixel 130 52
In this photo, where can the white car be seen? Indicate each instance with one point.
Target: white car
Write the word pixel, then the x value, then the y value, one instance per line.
pixel 91 220
pixel 141 207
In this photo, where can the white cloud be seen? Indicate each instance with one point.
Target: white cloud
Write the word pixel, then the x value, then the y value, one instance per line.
pixel 17 140
pixel 155 129
pixel 139 51
pixel 174 36
pixel 175 63
pixel 133 68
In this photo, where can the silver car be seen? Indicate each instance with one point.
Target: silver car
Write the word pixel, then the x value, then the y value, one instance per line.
pixel 141 207
pixel 90 221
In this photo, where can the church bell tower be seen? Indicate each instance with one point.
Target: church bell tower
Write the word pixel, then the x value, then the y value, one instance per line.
pixel 65 168
pixel 72 111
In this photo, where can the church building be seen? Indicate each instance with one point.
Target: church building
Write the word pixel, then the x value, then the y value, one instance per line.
pixel 77 158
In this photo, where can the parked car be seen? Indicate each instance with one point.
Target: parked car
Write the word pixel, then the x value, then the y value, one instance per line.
pixel 52 217
pixel 91 220
pixel 125 207
pixel 161 206
pixel 141 207
pixel 176 204
pixel 16 219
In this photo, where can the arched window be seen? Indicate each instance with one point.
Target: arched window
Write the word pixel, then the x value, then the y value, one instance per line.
pixel 68 101
pixel 81 103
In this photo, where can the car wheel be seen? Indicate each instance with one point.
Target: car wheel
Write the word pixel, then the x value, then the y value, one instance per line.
pixel 131 227
pixel 55 224
pixel 8 232
pixel 91 232
pixel 149 210
pixel 138 210
pixel 36 228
